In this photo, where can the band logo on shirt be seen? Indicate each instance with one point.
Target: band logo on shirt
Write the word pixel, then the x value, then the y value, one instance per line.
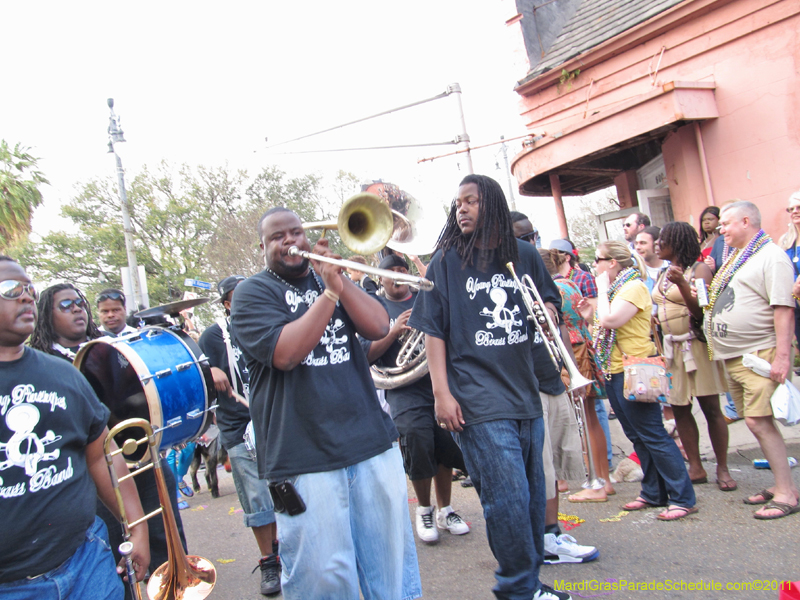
pixel 293 299
pixel 25 448
pixel 507 322
pixel 330 340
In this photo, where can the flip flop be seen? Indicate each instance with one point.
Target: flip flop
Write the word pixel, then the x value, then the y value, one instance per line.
pixel 765 494
pixel 640 504
pixel 727 486
pixel 578 499
pixel 699 480
pixel 786 510
pixel 681 510
pixel 185 489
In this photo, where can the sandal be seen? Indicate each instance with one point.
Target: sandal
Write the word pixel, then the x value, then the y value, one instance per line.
pixel 786 510
pixel 766 496
pixel 727 486
pixel 681 510
pixel 640 504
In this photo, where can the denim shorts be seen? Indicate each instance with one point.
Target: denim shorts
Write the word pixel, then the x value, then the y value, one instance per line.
pixel 355 533
pixel 89 574
pixel 253 492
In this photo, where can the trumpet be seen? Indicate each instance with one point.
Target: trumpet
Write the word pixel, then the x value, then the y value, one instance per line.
pixel 558 354
pixel 182 576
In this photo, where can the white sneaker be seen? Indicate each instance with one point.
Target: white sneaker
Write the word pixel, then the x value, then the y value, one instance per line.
pixel 426 530
pixel 564 549
pixel 547 593
pixel 448 519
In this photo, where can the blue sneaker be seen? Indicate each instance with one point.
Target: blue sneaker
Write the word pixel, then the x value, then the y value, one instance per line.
pixel 182 504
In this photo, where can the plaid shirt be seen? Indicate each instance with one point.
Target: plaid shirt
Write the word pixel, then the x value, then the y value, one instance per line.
pixel 585 282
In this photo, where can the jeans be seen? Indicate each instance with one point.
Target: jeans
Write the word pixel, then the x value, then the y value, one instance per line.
pixel 253 492
pixel 602 416
pixel 666 480
pixel 355 532
pixel 504 460
pixel 729 407
pixel 180 461
pixel 89 574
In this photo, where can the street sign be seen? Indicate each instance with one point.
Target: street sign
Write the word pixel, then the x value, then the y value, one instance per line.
pixel 197 283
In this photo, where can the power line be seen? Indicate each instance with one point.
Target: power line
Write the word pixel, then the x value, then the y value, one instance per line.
pixel 450 143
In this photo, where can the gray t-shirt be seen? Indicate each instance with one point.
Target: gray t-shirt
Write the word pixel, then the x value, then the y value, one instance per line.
pixel 742 319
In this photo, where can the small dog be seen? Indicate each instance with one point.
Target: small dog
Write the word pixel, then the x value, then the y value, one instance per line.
pixel 628 470
pixel 208 449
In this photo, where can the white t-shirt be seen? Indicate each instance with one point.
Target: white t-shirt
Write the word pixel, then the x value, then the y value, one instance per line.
pixel 742 319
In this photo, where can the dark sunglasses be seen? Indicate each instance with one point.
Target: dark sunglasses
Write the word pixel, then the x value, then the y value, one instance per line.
pixel 111 296
pixel 601 258
pixel 792 209
pixel 11 289
pixel 66 305
pixel 527 237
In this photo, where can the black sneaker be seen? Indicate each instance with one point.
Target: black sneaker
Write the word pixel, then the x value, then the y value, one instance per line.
pixel 270 575
pixel 548 593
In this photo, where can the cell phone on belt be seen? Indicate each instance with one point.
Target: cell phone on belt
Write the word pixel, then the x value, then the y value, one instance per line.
pixel 286 499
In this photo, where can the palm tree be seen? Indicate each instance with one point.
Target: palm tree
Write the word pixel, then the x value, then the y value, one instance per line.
pixel 19 191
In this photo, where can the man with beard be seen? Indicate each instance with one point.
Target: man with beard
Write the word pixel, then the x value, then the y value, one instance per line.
pixel 323 442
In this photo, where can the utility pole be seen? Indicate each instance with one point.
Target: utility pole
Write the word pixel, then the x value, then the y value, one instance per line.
pixel 511 196
pixel 463 137
pixel 115 135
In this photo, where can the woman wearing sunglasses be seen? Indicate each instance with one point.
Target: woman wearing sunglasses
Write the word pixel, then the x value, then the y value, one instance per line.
pixel 65 321
pixel 790 241
pixel 622 325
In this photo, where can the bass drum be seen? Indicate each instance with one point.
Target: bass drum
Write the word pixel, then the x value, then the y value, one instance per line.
pixel 158 374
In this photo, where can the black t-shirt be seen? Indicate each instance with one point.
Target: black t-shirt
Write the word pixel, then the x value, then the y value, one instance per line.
pixel 47 498
pixel 323 414
pixel 546 373
pixel 416 394
pixel 482 318
pixel 232 415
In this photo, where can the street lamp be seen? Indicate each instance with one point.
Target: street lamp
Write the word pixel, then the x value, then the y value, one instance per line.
pixel 115 135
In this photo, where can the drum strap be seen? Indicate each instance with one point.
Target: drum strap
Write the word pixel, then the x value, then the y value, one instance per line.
pixel 233 366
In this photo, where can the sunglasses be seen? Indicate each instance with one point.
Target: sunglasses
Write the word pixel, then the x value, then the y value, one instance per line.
pixel 66 305
pixel 601 258
pixel 527 237
pixel 11 289
pixel 111 296
pixel 792 209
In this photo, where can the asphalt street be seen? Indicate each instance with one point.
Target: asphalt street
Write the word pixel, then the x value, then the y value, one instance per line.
pixel 720 545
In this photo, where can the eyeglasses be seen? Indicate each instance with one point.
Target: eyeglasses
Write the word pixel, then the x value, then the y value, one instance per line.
pixel 792 209
pixel 11 289
pixel 66 305
pixel 527 237
pixel 601 258
pixel 111 296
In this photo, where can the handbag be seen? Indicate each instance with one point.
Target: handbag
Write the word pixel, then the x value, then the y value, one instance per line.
pixel 646 379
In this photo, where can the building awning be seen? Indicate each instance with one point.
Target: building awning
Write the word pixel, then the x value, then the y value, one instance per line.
pixel 589 153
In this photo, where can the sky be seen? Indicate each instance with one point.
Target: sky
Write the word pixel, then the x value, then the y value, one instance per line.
pixel 208 82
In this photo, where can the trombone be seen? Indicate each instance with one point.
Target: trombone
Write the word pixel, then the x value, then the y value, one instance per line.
pixel 558 353
pixel 366 224
pixel 182 576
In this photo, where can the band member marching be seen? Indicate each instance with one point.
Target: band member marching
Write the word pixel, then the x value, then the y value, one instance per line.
pixel 322 440
pixel 429 453
pixel 479 352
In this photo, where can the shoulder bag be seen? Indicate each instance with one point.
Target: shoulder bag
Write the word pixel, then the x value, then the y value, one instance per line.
pixel 646 379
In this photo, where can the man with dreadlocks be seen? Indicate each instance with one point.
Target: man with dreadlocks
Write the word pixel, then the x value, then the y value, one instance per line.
pixel 479 351
pixel 65 323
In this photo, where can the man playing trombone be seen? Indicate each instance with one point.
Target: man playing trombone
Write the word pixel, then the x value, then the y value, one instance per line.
pixel 322 440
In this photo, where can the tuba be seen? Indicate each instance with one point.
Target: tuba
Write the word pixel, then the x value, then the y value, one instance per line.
pixel 411 363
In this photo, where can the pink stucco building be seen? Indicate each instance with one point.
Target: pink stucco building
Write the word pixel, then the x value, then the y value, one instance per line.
pixel 679 103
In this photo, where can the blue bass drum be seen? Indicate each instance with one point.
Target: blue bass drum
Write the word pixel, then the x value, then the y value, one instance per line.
pixel 158 374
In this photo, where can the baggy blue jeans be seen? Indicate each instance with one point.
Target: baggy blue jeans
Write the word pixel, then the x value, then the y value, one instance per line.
pixel 89 574
pixel 666 480
pixel 504 460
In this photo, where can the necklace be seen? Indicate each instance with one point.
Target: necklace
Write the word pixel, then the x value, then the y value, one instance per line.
pixel 725 274
pixel 308 300
pixel 606 338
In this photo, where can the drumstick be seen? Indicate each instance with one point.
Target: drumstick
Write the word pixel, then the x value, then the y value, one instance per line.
pixel 241 399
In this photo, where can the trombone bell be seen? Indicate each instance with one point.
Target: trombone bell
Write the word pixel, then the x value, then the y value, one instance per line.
pixel 365 223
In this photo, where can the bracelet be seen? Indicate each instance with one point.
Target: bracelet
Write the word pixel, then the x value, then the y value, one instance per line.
pixel 330 296
pixel 795 297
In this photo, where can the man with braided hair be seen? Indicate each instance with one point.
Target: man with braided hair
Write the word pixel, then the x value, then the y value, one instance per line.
pixel 479 350
pixel 751 310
